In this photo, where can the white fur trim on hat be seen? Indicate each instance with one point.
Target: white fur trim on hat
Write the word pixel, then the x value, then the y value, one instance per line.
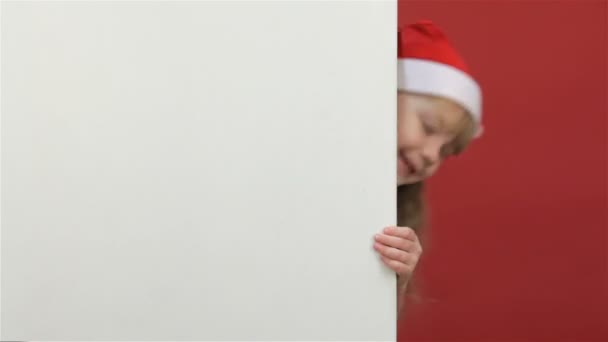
pixel 433 78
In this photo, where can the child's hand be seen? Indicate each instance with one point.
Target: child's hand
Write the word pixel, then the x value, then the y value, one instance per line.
pixel 399 249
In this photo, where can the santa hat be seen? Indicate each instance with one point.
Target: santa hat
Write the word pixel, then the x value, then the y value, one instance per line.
pixel 429 64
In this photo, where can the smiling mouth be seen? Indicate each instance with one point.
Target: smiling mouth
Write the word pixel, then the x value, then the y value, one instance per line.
pixel 409 169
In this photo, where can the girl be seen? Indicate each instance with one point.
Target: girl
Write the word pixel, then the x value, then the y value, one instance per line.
pixel 439 113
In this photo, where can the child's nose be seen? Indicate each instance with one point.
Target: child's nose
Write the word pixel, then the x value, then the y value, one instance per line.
pixel 431 153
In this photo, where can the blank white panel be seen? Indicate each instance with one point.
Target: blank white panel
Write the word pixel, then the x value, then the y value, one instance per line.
pixel 197 170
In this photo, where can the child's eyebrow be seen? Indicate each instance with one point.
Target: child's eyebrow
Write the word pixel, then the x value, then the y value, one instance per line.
pixel 435 117
pixel 441 123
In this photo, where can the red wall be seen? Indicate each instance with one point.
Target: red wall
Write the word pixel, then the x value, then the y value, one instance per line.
pixel 518 245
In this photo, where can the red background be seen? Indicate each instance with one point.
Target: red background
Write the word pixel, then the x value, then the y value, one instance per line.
pixel 517 250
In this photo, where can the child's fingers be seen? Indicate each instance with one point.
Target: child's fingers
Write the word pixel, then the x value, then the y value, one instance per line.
pixel 398 267
pixel 396 242
pixel 402 232
pixel 393 253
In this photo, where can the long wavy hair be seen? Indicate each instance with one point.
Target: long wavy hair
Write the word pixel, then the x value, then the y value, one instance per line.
pixel 412 210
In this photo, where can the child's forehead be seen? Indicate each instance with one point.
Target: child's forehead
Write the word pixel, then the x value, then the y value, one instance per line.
pixel 440 105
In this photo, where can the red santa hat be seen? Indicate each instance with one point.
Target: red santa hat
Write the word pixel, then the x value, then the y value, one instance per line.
pixel 429 64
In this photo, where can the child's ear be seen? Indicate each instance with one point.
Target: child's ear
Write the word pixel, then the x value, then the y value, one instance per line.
pixel 479 132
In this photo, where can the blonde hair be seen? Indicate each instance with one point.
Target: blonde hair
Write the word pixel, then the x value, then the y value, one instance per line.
pixel 411 206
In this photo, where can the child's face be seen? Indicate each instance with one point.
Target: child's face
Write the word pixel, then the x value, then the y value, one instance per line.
pixel 427 130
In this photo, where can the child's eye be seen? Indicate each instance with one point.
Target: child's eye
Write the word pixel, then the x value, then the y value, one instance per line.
pixel 428 128
pixel 429 123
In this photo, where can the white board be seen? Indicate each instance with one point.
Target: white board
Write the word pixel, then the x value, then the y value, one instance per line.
pixel 197 170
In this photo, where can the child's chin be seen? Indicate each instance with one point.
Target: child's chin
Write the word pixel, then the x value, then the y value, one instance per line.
pixel 403 179
pixel 407 180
